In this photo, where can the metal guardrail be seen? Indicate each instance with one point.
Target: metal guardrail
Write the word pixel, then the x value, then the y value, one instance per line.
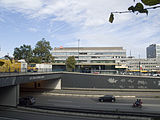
pixel 47 71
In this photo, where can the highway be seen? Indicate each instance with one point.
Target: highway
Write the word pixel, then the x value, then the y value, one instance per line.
pixel 15 114
pixel 50 99
pixel 121 104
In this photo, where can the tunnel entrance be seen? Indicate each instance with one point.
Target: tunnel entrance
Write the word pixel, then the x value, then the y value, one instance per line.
pixel 41 85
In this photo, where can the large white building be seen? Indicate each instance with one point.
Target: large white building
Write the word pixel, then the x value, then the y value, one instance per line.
pixel 91 58
pixel 103 60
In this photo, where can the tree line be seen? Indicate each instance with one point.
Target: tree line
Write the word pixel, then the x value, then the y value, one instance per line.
pixel 40 54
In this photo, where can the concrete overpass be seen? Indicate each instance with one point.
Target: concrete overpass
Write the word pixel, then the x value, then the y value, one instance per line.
pixel 10 84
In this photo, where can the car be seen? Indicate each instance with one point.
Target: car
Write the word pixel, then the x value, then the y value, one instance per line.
pixel 107 98
pixel 156 75
pixel 25 101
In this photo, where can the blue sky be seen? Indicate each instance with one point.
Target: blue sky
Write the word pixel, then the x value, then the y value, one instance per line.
pixel 63 22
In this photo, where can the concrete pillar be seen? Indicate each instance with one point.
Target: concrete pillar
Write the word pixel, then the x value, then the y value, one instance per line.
pixel 9 95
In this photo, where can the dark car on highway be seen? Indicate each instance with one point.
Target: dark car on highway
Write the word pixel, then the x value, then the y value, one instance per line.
pixel 29 100
pixel 107 98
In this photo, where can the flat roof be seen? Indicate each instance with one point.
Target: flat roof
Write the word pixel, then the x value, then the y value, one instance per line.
pixel 89 48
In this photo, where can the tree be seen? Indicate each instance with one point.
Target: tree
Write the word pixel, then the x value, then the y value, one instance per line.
pixel 35 60
pixel 24 52
pixel 138 8
pixel 70 63
pixel 42 51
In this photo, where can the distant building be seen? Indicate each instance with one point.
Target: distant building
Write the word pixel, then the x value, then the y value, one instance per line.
pixel 153 51
pixel 91 59
pixel 149 65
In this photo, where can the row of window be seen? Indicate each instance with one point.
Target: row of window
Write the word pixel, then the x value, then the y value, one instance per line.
pixel 89 53
pixel 89 57
pixel 143 63
pixel 92 61
pixel 143 66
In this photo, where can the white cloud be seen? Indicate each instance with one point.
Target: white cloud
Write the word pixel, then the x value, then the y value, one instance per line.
pixel 21 4
pixel 33 29
pixel 90 20
pixel 88 12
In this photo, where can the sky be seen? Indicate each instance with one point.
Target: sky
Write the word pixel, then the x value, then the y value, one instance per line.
pixel 64 22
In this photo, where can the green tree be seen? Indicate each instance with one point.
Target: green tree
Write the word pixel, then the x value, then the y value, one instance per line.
pixel 138 8
pixel 23 52
pixel 35 60
pixel 42 51
pixel 70 63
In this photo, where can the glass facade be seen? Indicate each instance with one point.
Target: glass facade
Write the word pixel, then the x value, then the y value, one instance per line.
pixel 153 51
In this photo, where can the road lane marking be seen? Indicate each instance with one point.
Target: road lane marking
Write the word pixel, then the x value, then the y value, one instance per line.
pixel 125 96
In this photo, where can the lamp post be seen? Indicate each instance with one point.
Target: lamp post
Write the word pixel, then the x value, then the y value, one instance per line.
pixel 139 68
pixel 78 54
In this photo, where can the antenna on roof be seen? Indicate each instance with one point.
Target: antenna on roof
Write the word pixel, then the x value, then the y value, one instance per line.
pixel 130 53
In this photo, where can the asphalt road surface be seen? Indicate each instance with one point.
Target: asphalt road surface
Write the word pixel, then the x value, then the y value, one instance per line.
pixel 15 114
pixel 121 104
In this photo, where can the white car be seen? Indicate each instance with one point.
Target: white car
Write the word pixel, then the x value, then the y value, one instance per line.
pixel 156 74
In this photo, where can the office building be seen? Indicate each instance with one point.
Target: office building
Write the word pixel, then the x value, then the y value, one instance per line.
pixel 91 58
pixel 149 65
pixel 153 51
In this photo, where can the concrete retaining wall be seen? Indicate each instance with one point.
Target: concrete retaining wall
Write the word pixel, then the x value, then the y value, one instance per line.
pixel 109 81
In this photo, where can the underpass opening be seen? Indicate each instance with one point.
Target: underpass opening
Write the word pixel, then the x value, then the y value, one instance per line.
pixel 41 86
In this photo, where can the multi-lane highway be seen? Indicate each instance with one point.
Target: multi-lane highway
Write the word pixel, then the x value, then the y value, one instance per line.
pixel 150 104
pixel 16 114
pixel 65 99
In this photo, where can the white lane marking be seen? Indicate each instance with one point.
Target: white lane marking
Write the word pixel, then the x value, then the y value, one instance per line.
pixel 114 103
pixel 151 105
pixel 125 96
pixel 5 118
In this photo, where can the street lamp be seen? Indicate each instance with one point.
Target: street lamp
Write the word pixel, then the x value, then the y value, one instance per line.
pixel 78 54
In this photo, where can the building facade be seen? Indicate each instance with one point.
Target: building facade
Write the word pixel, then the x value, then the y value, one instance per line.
pixel 91 59
pixel 153 51
pixel 150 65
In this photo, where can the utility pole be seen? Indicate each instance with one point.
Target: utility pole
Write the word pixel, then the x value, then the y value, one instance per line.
pixel 78 55
pixel 139 66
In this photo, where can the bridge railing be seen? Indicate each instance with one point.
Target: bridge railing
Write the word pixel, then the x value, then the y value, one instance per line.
pixel 113 72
